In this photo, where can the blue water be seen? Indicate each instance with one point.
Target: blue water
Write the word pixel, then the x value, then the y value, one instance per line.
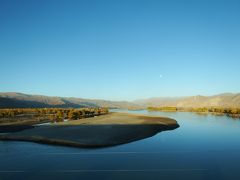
pixel 203 147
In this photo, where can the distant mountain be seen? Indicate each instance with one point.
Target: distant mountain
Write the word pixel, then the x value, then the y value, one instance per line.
pixel 20 100
pixel 221 100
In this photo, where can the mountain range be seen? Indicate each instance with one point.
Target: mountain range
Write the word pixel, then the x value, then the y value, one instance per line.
pixel 220 100
pixel 20 100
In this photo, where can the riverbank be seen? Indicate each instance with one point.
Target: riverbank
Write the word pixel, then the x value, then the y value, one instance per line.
pixel 106 130
pixel 218 111
pixel 31 116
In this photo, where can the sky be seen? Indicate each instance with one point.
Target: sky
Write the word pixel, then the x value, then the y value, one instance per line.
pixel 120 49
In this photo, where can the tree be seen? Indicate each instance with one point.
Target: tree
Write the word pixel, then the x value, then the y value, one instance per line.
pixel 82 113
pixel 59 115
pixel 11 114
pixel 51 117
pixel 73 115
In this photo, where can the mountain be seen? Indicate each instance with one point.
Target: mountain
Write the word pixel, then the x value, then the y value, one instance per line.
pixel 221 100
pixel 20 100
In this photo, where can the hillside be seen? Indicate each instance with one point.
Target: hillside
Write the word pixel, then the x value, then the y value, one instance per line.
pixel 20 100
pixel 221 100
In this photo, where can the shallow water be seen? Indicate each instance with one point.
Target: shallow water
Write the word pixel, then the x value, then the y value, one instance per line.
pixel 203 147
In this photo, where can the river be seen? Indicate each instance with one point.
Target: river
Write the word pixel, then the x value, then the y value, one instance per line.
pixel 203 147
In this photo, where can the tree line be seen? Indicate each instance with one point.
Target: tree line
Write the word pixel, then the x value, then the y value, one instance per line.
pixel 233 112
pixel 57 114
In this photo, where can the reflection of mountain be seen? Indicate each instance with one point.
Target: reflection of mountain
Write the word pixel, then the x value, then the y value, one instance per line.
pixel 19 100
pixel 221 100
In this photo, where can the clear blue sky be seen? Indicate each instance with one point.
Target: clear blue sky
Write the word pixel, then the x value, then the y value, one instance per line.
pixel 120 49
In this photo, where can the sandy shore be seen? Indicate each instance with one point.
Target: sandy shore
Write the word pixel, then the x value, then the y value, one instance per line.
pixel 107 130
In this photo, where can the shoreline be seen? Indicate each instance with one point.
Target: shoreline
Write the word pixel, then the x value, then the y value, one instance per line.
pixel 103 131
pixel 235 116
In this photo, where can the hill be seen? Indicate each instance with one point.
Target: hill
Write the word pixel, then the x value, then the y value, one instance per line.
pixel 221 100
pixel 20 100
